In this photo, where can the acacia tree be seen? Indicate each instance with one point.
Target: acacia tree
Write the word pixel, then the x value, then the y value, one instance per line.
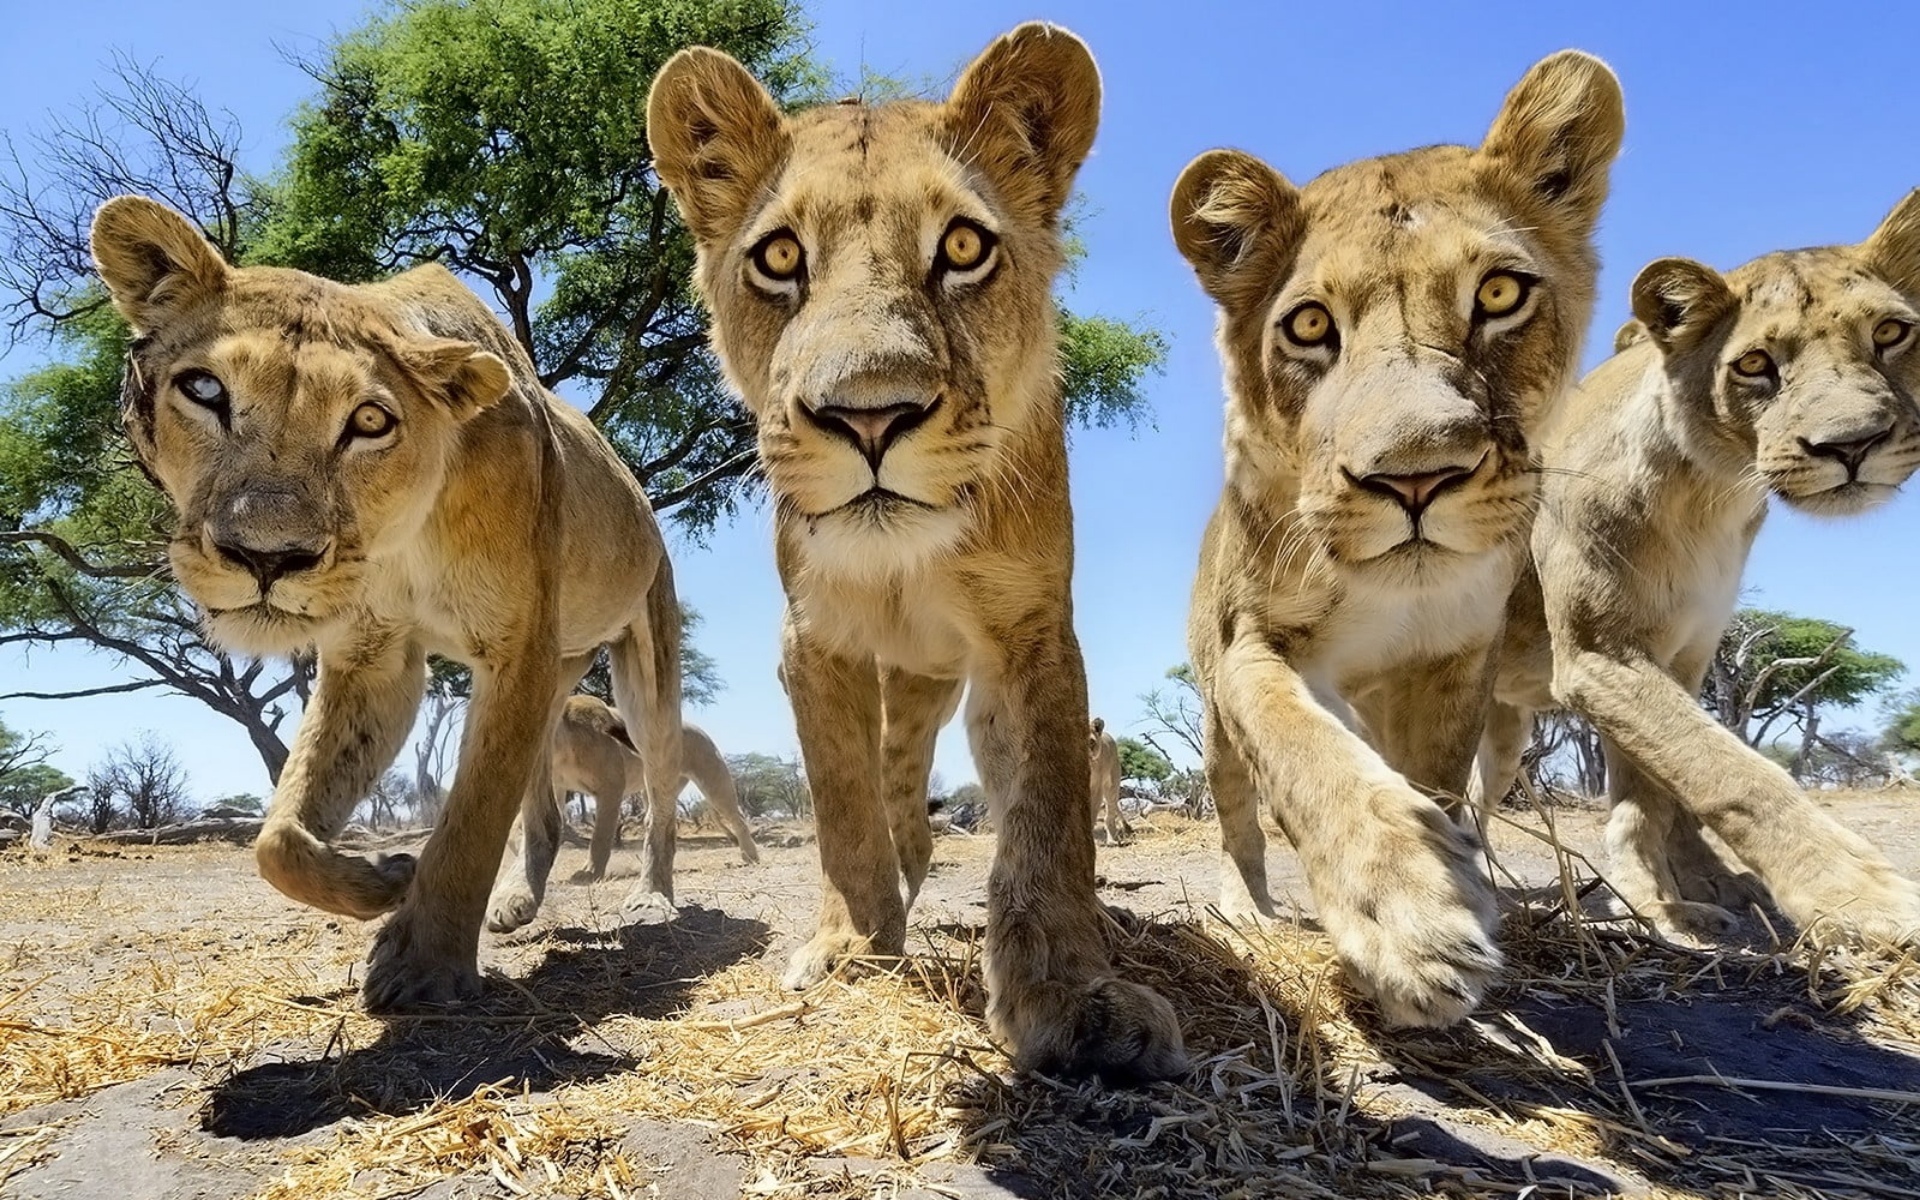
pixel 1775 672
pixel 1175 714
pixel 141 779
pixel 25 776
pixel 504 139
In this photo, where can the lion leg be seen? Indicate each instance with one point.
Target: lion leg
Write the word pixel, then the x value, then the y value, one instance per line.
pixel 1822 875
pixel 710 775
pixel 1396 881
pixel 646 690
pixel 913 708
pixel 1052 994
pixel 1645 824
pixel 1503 747
pixel 362 710
pixel 535 839
pixel 1244 898
pixel 836 709
pixel 609 793
pixel 427 953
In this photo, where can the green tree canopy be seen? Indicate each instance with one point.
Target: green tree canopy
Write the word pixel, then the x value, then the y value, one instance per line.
pixel 1141 763
pixel 1774 666
pixel 25 776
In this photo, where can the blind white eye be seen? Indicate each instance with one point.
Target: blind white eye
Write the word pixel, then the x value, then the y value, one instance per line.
pixel 1890 332
pixel 202 388
pixel 1309 325
pixel 779 256
pixel 1499 294
pixel 1753 364
pixel 370 421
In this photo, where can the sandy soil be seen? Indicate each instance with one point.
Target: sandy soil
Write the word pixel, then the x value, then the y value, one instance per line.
pixel 92 941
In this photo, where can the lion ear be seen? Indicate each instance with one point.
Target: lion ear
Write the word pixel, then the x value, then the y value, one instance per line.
pixel 1558 132
pixel 1025 112
pixel 1679 301
pixel 715 134
pixel 1894 249
pixel 1237 221
pixel 153 261
pixel 459 375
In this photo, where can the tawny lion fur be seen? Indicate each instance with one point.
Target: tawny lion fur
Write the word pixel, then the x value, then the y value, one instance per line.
pixel 1393 335
pixel 1103 759
pixel 880 281
pixel 373 471
pixel 1659 476
pixel 593 754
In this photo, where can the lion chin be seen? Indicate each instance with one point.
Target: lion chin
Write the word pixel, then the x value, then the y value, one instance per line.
pixel 262 630
pixel 1846 500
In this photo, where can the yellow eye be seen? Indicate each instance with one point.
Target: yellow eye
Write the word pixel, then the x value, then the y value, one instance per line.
pixel 1753 363
pixel 370 421
pixel 779 256
pixel 964 246
pixel 1309 325
pixel 1499 294
pixel 1890 332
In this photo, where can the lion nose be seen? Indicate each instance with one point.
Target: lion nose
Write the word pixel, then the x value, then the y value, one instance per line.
pixel 1850 452
pixel 1415 492
pixel 268 564
pixel 871 430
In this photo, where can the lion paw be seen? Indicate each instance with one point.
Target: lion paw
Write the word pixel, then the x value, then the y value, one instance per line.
pixel 1862 903
pixel 407 970
pixel 750 852
pixel 511 908
pixel 1691 920
pixel 822 955
pixel 644 906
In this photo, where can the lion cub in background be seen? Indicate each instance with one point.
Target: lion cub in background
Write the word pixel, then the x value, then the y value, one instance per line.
pixel 881 286
pixel 1394 334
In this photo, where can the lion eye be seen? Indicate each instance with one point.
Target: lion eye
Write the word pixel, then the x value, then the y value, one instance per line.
pixel 1309 325
pixel 1753 364
pixel 779 256
pixel 964 246
pixel 370 421
pixel 1890 332
pixel 202 388
pixel 1499 294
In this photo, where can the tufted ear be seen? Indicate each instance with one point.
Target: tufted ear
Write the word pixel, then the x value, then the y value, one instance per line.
pixel 1557 135
pixel 1237 221
pixel 153 261
pixel 1098 726
pixel 1679 301
pixel 1632 333
pixel 1025 112
pixel 459 375
pixel 1894 249
pixel 715 134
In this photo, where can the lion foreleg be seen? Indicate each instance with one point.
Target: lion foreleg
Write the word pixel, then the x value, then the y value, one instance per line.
pixel 913 708
pixel 1396 881
pixel 522 884
pixel 362 710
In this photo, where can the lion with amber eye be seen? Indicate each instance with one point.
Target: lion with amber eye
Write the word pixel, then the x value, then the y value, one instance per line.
pixel 1794 376
pixel 1394 335
pixel 374 471
pixel 880 279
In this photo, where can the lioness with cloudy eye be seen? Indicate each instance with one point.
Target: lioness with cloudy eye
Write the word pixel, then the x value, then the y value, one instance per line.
pixel 374 471
pixel 1393 334
pixel 1794 376
pixel 880 280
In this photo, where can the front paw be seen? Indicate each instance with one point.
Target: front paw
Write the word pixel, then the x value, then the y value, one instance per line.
pixel 643 906
pixel 512 906
pixel 1413 921
pixel 823 954
pixel 1056 1023
pixel 414 965
pixel 1863 903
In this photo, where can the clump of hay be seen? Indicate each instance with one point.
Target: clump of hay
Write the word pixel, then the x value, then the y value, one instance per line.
pixel 861 1085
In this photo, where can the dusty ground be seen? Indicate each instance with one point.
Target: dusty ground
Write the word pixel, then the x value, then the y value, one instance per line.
pixel 170 1027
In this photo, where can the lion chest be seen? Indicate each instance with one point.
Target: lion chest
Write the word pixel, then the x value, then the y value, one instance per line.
pixel 914 622
pixel 1372 630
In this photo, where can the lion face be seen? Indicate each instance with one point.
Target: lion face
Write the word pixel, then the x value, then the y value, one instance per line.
pixel 301 434
pixel 1394 332
pixel 877 275
pixel 1803 367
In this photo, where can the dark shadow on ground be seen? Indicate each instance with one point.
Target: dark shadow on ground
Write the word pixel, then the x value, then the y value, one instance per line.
pixel 1228 1129
pixel 522 1033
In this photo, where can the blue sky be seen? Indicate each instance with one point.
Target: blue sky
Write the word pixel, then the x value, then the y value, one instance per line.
pixel 1787 125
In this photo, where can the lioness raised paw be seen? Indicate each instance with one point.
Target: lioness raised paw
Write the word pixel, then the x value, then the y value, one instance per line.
pixel 1413 921
pixel 1057 1024
pixel 414 964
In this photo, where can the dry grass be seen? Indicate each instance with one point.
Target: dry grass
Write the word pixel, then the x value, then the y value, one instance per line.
pixel 1296 1092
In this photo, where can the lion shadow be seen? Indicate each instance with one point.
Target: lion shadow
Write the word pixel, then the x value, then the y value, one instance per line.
pixel 533 1033
pixel 1528 1096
